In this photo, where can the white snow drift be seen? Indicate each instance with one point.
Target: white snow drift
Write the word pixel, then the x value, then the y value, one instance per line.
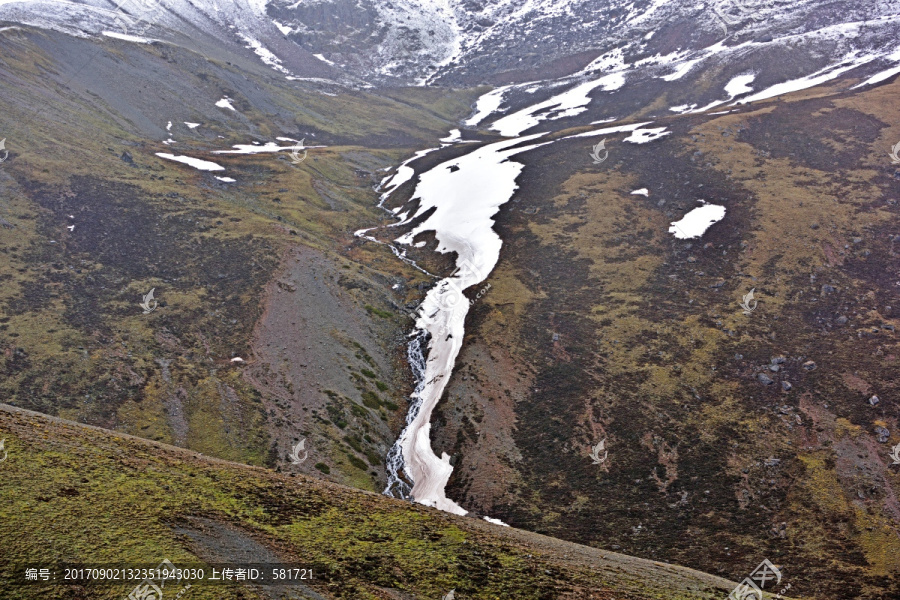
pixel 695 223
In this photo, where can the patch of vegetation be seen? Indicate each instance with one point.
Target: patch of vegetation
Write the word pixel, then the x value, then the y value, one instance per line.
pixel 373 457
pixel 357 462
pixel 371 400
pixel 336 414
pixel 97 497
pixel 379 312
pixel 354 441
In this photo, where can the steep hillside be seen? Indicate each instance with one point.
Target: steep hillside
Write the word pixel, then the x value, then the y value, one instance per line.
pixel 90 496
pixel 730 436
pixel 93 219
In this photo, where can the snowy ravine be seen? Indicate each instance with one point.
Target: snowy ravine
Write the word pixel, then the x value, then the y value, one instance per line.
pixel 465 193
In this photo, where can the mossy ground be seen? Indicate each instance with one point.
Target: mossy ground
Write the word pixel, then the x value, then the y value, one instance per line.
pixel 93 497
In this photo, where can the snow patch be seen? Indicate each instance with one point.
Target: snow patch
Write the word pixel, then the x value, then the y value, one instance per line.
pixel 315 80
pixel 284 29
pixel 226 103
pixel 259 149
pixel 128 38
pixel 403 174
pixel 461 203
pixel 695 223
pixel 605 130
pixel 740 85
pixel 454 136
pixel 851 61
pixel 682 70
pixel 879 77
pixel 642 136
pixel 614 60
pixel 323 59
pixel 265 55
pixel 202 165
pixel 568 104
pixel 486 105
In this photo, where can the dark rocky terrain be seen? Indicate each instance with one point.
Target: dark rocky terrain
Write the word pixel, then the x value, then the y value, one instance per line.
pixel 730 437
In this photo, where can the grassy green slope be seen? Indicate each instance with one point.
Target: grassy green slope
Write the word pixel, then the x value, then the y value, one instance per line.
pixel 79 494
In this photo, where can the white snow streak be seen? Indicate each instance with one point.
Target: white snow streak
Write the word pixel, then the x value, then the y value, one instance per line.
pixel 568 104
pixel 202 165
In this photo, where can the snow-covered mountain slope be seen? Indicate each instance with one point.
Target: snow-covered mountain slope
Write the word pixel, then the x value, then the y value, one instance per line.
pixel 717 77
pixel 465 42
pixel 223 29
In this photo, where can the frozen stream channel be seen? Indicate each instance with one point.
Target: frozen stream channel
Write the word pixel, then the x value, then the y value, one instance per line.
pixel 465 193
